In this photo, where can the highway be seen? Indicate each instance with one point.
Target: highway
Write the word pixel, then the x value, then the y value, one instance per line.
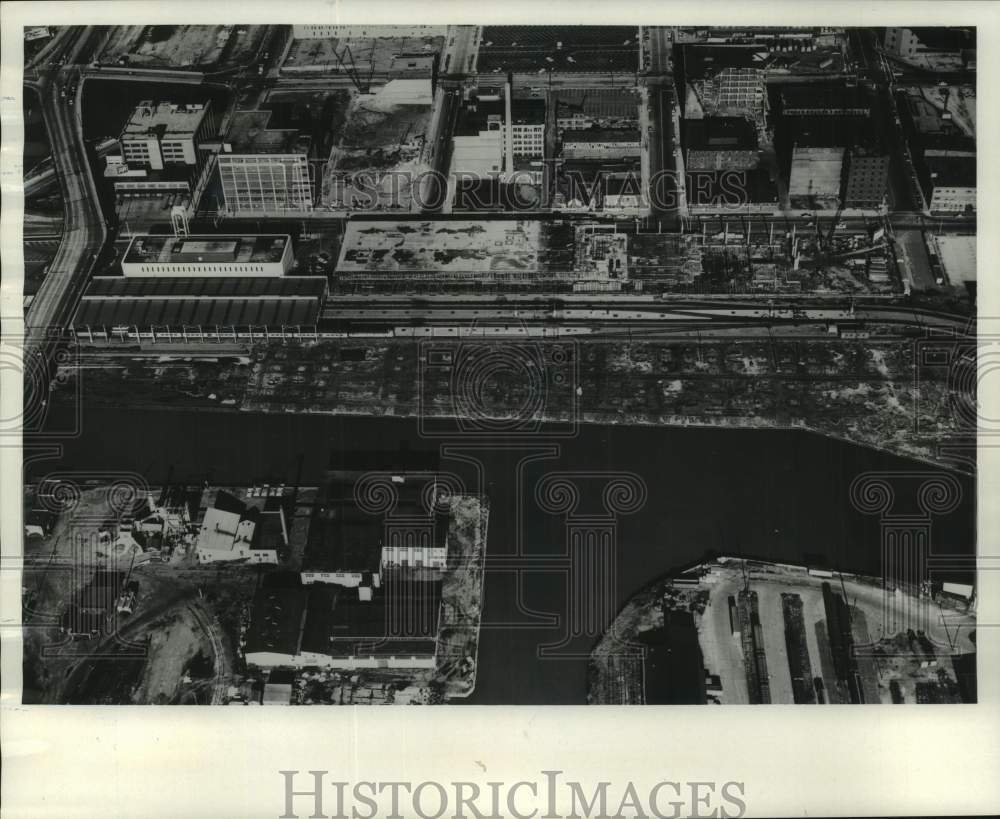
pixel 84 231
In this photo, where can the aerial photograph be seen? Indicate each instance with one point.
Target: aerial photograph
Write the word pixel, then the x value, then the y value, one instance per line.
pixel 498 365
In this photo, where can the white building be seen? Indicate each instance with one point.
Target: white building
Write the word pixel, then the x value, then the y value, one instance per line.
pixel 419 547
pixel 951 181
pixel 215 256
pixel 162 134
pixel 225 536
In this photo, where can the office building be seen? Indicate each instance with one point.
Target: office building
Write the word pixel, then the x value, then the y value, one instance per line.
pixel 162 134
pixel 949 183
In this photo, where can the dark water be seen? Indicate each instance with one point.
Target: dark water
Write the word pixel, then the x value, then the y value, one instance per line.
pixel 776 494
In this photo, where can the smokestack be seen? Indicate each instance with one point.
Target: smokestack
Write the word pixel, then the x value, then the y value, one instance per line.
pixel 508 129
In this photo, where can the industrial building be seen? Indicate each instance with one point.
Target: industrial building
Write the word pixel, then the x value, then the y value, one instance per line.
pixel 222 255
pixel 234 530
pixel 941 47
pixel 322 31
pixel 582 108
pixel 600 143
pixel 162 134
pixel 493 134
pixel 719 144
pixel 949 183
pixel 833 159
pixel 345 542
pixel 209 309
pixel 262 169
pixel 832 99
pixel 741 191
pixel 325 626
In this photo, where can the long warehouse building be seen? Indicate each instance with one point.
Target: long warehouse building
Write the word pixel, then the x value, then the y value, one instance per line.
pixel 206 306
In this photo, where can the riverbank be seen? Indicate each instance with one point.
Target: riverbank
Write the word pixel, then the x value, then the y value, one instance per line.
pixel 877 394
pixel 780 633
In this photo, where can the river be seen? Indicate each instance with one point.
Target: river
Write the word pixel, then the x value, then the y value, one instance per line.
pixel 774 494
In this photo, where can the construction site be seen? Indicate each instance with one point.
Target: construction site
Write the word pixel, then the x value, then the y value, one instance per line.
pixel 778 633
pixel 201 48
pixel 367 60
pixel 378 156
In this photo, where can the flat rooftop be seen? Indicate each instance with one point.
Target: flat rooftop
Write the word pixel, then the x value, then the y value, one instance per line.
pixel 401 619
pixel 952 171
pixel 248 134
pixel 343 538
pixel 522 112
pixel 702 61
pixel 166 117
pixel 719 133
pixel 815 97
pixel 600 135
pixel 205 249
pixel 958 256
pixel 597 102
pixel 560 49
pixel 276 621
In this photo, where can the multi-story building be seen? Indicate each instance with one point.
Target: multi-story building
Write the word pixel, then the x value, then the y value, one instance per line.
pixel 597 143
pixel 165 133
pixel 215 256
pixel 867 177
pixel 815 100
pixel 485 143
pixel 719 144
pixel 950 183
pixel 264 170
pixel 323 31
pixel 902 42
pixel 581 108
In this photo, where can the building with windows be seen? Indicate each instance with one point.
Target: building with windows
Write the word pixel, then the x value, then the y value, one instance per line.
pixel 222 255
pixel 598 143
pixel 867 177
pixel 262 169
pixel 497 136
pixel 421 545
pixel 322 31
pixel 824 100
pixel 161 134
pixel 949 183
pixel 719 144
